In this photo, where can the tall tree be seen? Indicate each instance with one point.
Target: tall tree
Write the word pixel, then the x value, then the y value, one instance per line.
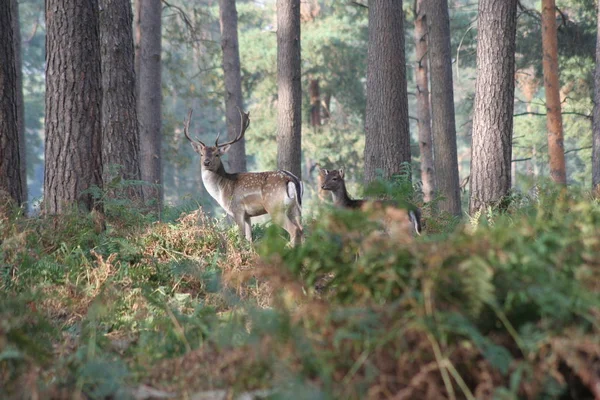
pixel 149 99
pixel 120 133
pixel 556 151
pixel 387 142
pixel 443 123
pixel 73 151
pixel 494 103
pixel 137 38
pixel 289 93
pixel 423 111
pixel 596 115
pixel 20 98
pixel 10 157
pixel 233 82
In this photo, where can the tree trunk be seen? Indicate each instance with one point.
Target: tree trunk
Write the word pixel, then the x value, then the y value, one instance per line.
pixel 10 155
pixel 423 112
pixel 494 103
pixel 20 98
pixel 443 124
pixel 289 103
pixel 149 100
pixel 73 152
pixel 596 117
pixel 387 142
pixel 120 132
pixel 137 38
pixel 233 82
pixel 556 151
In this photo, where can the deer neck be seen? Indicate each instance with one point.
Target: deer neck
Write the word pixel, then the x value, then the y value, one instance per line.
pixel 341 198
pixel 219 184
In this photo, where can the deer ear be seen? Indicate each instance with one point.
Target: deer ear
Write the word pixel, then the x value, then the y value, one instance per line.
pixel 224 149
pixel 341 171
pixel 323 171
pixel 198 147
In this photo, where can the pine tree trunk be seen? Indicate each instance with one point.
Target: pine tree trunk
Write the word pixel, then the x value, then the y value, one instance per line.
pixel 423 112
pixel 10 155
pixel 149 100
pixel 596 116
pixel 73 161
pixel 443 125
pixel 233 82
pixel 289 93
pixel 556 151
pixel 387 143
pixel 137 38
pixel 494 103
pixel 120 133
pixel 20 98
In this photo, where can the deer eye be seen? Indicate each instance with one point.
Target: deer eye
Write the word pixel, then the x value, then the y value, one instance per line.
pixel 335 179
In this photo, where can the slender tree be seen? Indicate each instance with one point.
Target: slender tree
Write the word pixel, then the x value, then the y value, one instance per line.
pixel 20 98
pixel 556 151
pixel 596 116
pixel 10 157
pixel 423 111
pixel 387 143
pixel 494 103
pixel 73 161
pixel 149 99
pixel 120 133
pixel 443 123
pixel 315 102
pixel 233 82
pixel 289 94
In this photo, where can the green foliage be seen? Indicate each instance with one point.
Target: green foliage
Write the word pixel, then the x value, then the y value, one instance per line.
pixel 168 302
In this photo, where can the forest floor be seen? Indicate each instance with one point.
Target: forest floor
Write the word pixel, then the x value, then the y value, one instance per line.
pixel 505 305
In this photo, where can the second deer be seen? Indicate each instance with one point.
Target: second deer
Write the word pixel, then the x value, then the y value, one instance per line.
pixel 250 194
pixel 333 180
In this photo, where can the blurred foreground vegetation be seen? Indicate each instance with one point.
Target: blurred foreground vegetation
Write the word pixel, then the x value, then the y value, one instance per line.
pixel 502 306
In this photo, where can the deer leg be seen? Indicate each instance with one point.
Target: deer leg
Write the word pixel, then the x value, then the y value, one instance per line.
pixel 243 223
pixel 293 226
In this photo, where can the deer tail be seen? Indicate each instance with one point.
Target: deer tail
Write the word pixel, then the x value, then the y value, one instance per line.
pixel 415 219
pixel 295 187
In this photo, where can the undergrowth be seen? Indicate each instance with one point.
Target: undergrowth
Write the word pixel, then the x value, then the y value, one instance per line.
pixel 502 306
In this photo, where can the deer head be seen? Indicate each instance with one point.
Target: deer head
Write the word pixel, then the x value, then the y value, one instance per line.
pixel 332 179
pixel 211 155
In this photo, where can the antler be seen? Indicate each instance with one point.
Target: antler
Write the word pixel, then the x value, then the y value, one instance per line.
pixel 245 118
pixel 186 129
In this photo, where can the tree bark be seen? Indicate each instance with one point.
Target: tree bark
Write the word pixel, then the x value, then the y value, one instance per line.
pixel 556 151
pixel 73 161
pixel 10 155
pixel 387 142
pixel 494 103
pixel 149 100
pixel 120 132
pixel 596 116
pixel 233 82
pixel 423 111
pixel 289 93
pixel 137 38
pixel 20 98
pixel 443 123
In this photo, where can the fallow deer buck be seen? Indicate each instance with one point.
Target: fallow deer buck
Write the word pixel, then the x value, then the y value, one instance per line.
pixel 250 194
pixel 333 180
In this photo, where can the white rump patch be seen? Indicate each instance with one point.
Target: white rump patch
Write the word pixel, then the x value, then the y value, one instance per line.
pixel 291 193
